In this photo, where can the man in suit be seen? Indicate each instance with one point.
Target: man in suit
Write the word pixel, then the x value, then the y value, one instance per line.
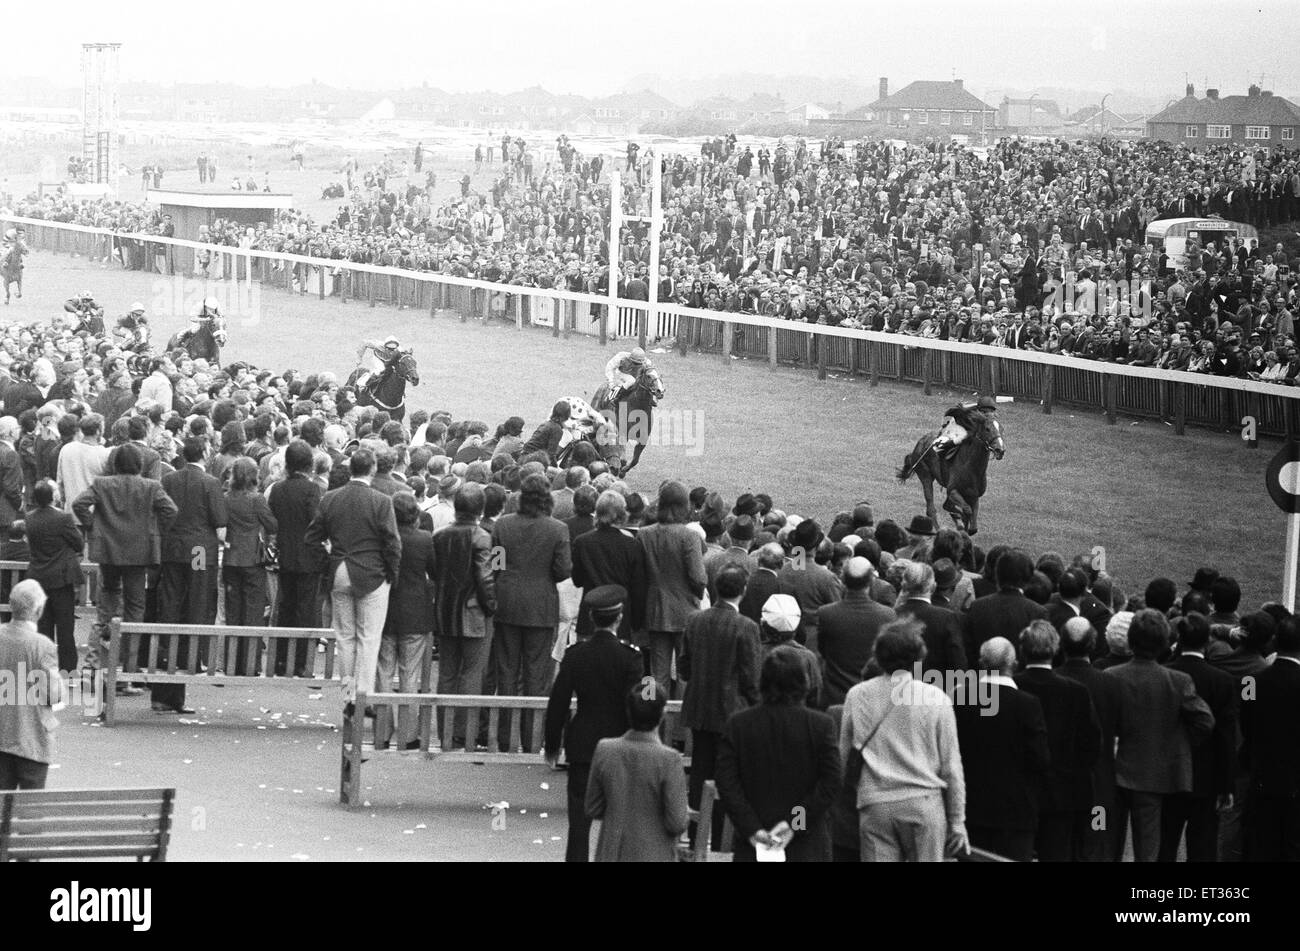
pixel 1006 612
pixel 187 590
pixel 125 514
pixel 610 555
pixel 1160 719
pixel 1073 599
pixel 150 461
pixel 365 554
pixel 1003 740
pixel 1073 738
pixel 1270 752
pixel 812 584
pixel 720 659
pixel 944 647
pixel 1213 762
pixel 637 788
pixel 1104 844
pixel 847 631
pixel 294 501
pixel 534 557
pixel 55 544
pixel 778 763
pixel 600 671
pixel 763 583
pixel 464 599
pixel 11 474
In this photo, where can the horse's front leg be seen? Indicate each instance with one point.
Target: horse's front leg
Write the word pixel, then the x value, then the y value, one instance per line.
pixel 927 489
pixel 972 523
pixel 956 506
pixel 636 457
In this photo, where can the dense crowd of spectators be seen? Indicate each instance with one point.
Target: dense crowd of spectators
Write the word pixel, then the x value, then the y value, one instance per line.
pixel 1030 245
pixel 999 699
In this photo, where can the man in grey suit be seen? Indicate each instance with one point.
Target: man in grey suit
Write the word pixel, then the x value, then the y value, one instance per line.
pixel 847 631
pixel 637 788
pixel 125 514
pixel 1160 719
pixel 365 555
pixel 534 556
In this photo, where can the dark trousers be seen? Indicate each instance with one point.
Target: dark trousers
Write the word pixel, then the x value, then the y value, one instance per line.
pixel 1055 840
pixel 523 667
pixel 299 606
pixel 579 824
pixel 185 596
pixel 1271 828
pixel 121 594
pixel 1144 810
pixel 59 622
pixel 704 762
pixel 245 588
pixel 1014 844
pixel 17 772
pixel 1199 815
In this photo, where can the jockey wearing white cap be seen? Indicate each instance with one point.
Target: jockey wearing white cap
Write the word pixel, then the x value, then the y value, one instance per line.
pixel 624 369
pixel 210 312
pixel 387 353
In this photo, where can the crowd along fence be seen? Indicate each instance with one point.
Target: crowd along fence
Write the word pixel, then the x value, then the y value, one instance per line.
pixel 1178 398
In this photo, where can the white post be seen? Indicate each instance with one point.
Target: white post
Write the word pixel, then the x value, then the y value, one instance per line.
pixel 615 231
pixel 1292 562
pixel 656 227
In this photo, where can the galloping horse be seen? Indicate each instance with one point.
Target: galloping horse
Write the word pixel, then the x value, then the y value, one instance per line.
pixel 633 410
pixel 11 267
pixel 201 342
pixel 388 389
pixel 963 475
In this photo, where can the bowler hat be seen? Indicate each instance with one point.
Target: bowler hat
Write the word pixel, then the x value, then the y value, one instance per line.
pixel 745 505
pixel 921 525
pixel 1204 578
pixel 742 528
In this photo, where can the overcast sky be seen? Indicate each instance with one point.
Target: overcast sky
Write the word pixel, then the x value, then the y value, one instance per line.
pixel 593 48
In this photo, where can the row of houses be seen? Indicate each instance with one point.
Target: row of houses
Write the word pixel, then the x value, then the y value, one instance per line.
pixel 924 108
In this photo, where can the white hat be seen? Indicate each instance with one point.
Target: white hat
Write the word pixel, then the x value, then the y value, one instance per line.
pixel 781 613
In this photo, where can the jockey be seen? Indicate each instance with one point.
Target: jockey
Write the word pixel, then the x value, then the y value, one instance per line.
pixel 90 316
pixel 132 329
pixel 210 312
pixel 960 421
pixel 624 369
pixel 387 353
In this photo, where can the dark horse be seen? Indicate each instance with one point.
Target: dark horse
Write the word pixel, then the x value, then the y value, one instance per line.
pixel 632 414
pixel 963 475
pixel 200 343
pixel 11 266
pixel 387 389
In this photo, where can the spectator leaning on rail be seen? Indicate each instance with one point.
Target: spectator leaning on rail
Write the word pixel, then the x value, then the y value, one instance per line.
pixel 29 663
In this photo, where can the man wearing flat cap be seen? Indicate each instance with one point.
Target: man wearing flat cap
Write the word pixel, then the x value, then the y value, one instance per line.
pixel 600 671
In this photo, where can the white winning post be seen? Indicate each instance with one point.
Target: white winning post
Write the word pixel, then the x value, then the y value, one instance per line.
pixel 656 226
pixel 615 234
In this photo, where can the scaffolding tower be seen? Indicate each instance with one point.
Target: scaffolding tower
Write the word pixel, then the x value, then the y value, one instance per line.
pixel 99 149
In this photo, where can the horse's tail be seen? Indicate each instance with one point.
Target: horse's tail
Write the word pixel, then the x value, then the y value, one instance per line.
pixel 909 465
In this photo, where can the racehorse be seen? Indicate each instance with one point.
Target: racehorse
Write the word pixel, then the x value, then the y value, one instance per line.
pixel 963 475
pixel 633 411
pixel 11 268
pixel 388 389
pixel 200 343
pixel 588 437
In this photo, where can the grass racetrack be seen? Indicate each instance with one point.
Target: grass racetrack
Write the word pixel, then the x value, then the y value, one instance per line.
pixel 1158 503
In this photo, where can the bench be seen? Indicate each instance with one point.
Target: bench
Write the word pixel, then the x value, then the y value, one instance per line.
pixel 710 807
pixel 448 704
pixel 38 824
pixel 199 654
